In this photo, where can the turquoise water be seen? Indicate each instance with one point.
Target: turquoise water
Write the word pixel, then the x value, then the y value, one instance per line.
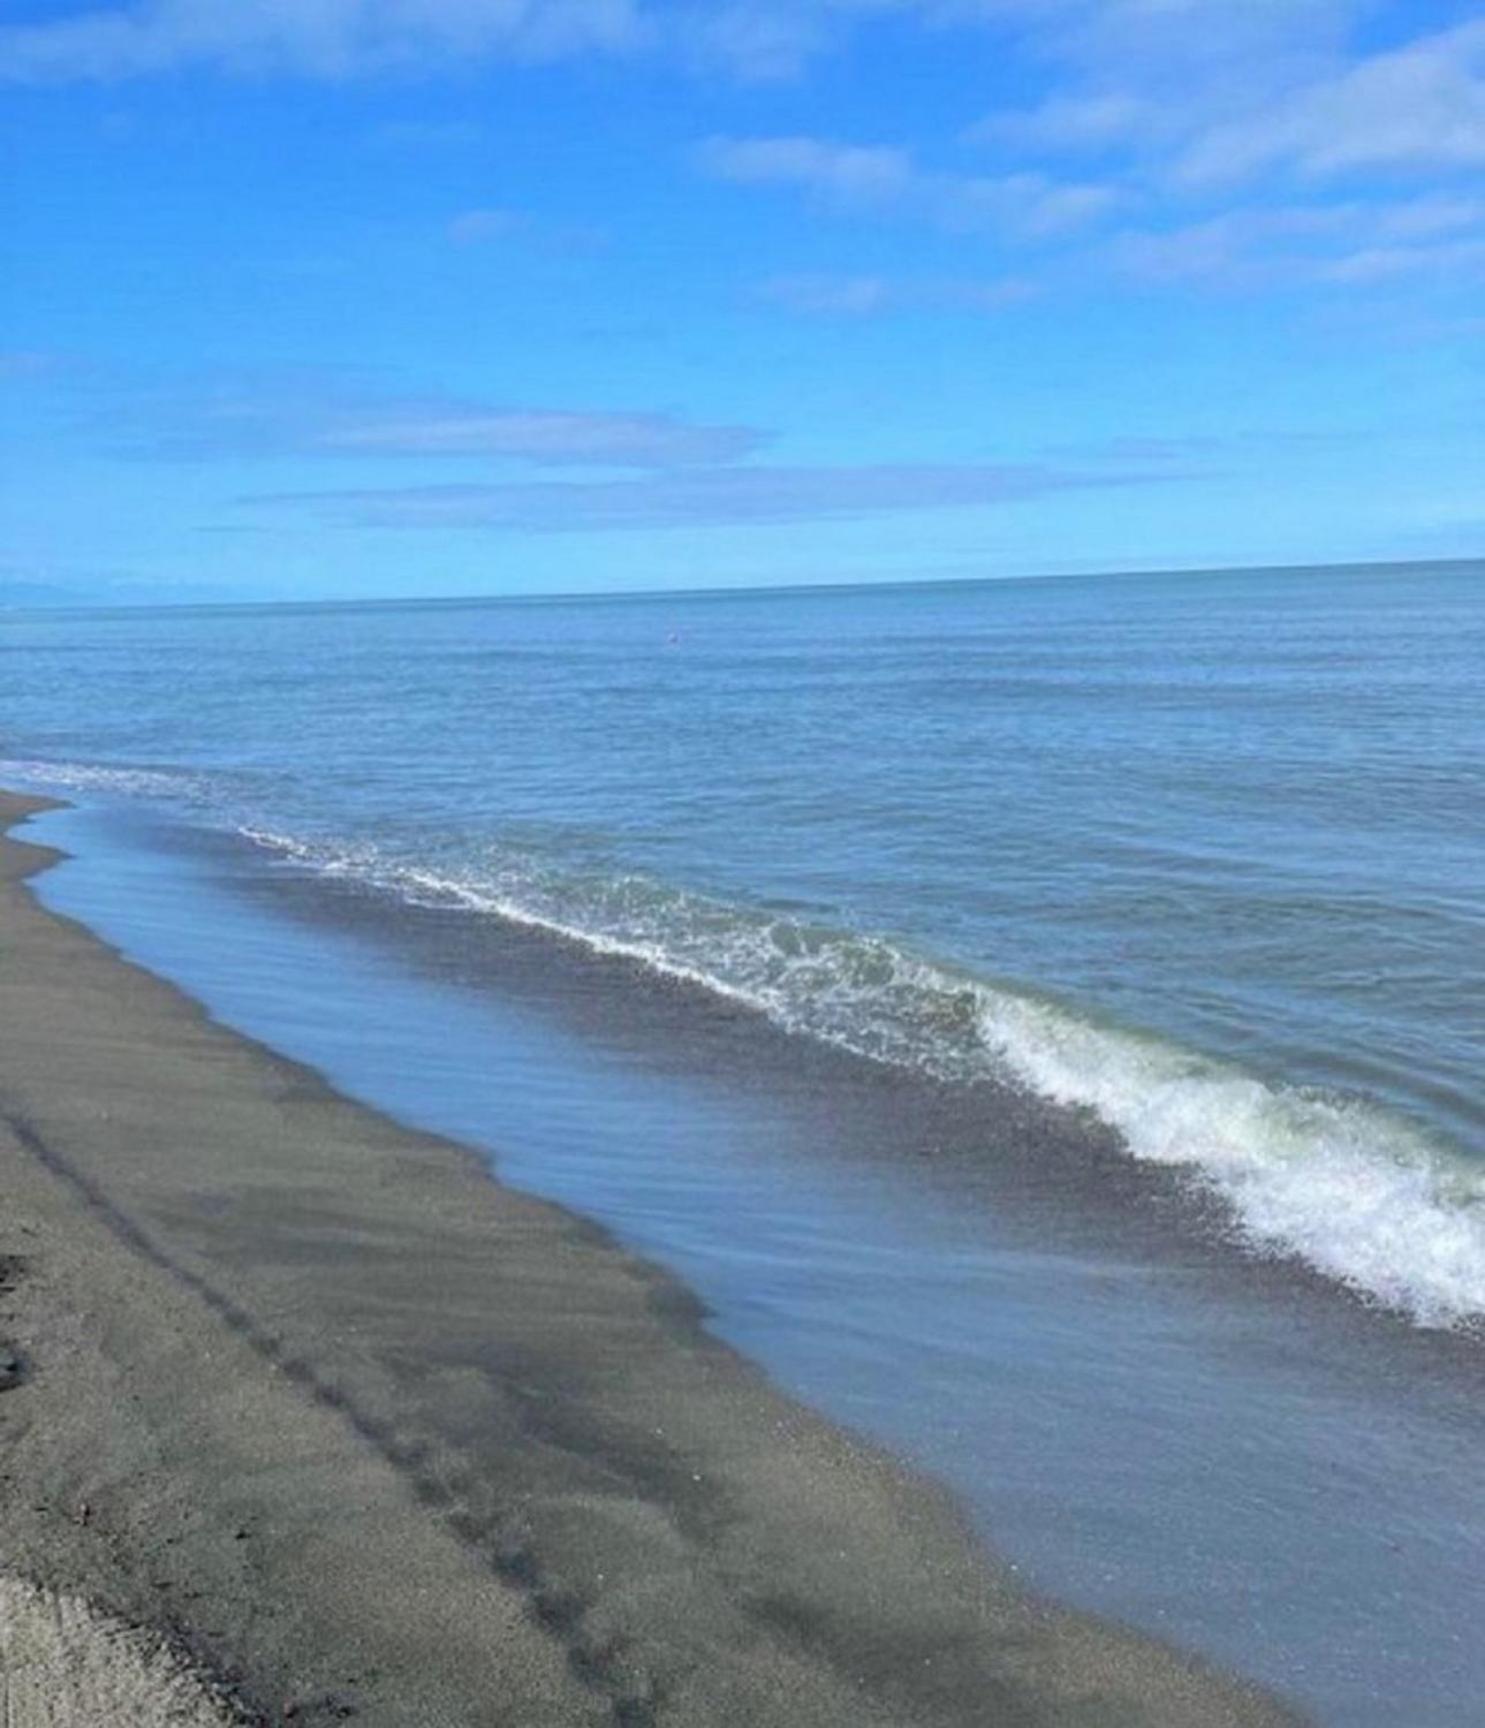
pixel 1200 856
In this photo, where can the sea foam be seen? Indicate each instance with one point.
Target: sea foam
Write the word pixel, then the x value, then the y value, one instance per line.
pixel 170 784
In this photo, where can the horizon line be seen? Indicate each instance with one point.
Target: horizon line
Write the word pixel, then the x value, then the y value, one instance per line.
pixel 744 590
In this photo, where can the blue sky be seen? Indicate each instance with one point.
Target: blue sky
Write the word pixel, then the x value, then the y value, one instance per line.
pixel 313 298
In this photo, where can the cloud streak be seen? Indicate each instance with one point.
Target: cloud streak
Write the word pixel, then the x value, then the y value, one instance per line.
pixel 255 419
pixel 488 227
pixel 709 497
pixel 874 179
pixel 1286 98
pixel 338 39
pixel 29 363
pixel 332 39
pixel 1351 241
pixel 824 296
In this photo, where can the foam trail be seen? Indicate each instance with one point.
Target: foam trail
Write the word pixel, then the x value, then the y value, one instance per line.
pixel 1356 1192
pixel 101 777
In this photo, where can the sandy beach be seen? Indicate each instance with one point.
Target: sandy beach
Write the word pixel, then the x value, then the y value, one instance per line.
pixel 340 1427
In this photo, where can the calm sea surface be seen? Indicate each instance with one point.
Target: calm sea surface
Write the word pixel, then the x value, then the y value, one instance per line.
pixel 800 890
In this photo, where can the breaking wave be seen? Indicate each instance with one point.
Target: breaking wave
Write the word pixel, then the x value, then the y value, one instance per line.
pixel 1357 1193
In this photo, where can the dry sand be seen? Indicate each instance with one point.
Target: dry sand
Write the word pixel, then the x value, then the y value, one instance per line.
pixel 355 1431
pixel 63 1664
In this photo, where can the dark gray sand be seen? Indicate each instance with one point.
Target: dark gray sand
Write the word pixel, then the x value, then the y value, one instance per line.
pixel 362 1433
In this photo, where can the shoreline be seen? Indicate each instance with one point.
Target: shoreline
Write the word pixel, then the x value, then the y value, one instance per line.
pixel 363 1430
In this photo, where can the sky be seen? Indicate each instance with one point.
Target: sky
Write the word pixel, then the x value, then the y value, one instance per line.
pixel 361 298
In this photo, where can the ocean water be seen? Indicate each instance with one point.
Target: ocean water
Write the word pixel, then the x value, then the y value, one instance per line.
pixel 1043 1018
pixel 1200 855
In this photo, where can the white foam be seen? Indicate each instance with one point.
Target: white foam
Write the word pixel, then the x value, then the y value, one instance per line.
pixel 1354 1191
pixel 98 777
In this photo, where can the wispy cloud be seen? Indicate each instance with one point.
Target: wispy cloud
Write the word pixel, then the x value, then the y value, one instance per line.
pixel 878 179
pixel 1256 146
pixel 759 40
pixel 748 39
pixel 1067 123
pixel 1457 262
pixel 427 135
pixel 545 437
pixel 1132 70
pixel 1180 51
pixel 476 227
pixel 325 417
pixel 1354 240
pixel 844 174
pixel 1184 448
pixel 308 38
pixel 30 363
pixel 1420 108
pixel 1193 451
pixel 1224 94
pixel 705 497
pixel 871 296
pixel 483 227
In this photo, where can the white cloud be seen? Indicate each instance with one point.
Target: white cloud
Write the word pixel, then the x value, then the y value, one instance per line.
pixel 1458 260
pixel 755 40
pixel 1206 95
pixel 1186 106
pixel 483 227
pixel 829 296
pixel 1178 44
pixel 752 39
pixel 1084 122
pixel 844 173
pixel 1438 213
pixel 869 296
pixel 1261 146
pixel 312 38
pixel 1353 241
pixel 876 178
pixel 1166 42
pixel 1420 107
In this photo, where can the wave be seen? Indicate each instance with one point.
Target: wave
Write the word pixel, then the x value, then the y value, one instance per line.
pixel 177 784
pixel 1357 1193
pixel 1354 1191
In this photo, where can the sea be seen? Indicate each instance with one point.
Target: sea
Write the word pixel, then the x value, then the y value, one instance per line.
pixel 1044 1020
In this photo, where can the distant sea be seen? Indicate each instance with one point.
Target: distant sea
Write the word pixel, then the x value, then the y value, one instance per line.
pixel 1070 968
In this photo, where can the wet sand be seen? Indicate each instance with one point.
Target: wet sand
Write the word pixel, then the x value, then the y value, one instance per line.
pixel 354 1429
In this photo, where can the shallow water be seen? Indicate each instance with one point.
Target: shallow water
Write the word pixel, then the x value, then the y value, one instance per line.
pixel 1257 1469
pixel 893 963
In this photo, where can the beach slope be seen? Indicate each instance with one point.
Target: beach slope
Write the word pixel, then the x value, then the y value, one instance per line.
pixel 355 1431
